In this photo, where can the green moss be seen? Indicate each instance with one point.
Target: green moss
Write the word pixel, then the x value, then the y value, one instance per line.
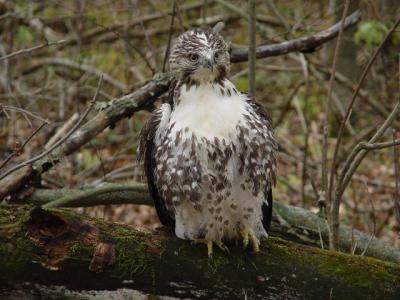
pixel 352 270
pixel 11 260
pixel 80 252
pixel 132 255
pixel 13 243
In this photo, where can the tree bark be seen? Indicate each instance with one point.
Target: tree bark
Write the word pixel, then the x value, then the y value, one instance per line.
pixel 61 248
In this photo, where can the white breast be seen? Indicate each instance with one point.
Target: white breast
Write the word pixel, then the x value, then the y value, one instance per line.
pixel 207 112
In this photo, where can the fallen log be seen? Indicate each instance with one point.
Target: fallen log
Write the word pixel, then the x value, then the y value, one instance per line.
pixel 297 223
pixel 60 248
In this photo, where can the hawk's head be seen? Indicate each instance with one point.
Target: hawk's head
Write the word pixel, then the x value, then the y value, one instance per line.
pixel 201 55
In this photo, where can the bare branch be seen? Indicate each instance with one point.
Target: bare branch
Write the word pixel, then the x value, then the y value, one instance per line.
pixel 171 32
pixel 353 99
pixel 396 166
pixel 304 44
pixel 324 165
pixel 61 131
pixel 73 129
pixel 32 49
pixel 252 47
pixel 359 152
pixel 345 176
pixel 64 62
pixel 81 198
pixel 20 148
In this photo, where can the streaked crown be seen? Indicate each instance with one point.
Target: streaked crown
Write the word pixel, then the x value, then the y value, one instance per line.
pixel 201 54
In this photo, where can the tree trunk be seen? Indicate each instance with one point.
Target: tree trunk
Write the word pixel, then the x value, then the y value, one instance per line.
pixel 62 253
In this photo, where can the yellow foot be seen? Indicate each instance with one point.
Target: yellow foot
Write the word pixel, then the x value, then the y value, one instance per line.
pixel 248 235
pixel 209 244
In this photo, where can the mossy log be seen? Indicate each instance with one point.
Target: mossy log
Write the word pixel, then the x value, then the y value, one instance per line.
pixel 59 247
pixel 289 222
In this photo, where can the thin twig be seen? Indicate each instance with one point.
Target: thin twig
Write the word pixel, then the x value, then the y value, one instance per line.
pixel 20 148
pixel 358 153
pixel 335 203
pixel 32 49
pixel 204 12
pixel 62 130
pixel 353 99
pixel 304 44
pixel 288 103
pixel 277 13
pixel 73 129
pixel 324 165
pixel 23 112
pixel 396 165
pixel 171 32
pixel 137 49
pixel 64 62
pixel 252 47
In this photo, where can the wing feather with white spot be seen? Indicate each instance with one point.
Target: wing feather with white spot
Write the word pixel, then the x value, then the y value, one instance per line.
pixel 257 162
pixel 146 151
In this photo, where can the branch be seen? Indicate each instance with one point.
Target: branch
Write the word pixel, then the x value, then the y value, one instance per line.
pixel 20 148
pixel 379 146
pixel 58 143
pixel 324 166
pixel 358 154
pixel 304 44
pixel 87 37
pixel 336 201
pixel 252 47
pixel 64 62
pixel 76 199
pixel 32 49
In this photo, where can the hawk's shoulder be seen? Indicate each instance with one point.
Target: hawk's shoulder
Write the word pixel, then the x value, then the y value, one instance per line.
pixel 149 130
pixel 259 110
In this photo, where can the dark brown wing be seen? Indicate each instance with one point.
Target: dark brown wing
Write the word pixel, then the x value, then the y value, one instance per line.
pixel 267 205
pixel 267 210
pixel 146 151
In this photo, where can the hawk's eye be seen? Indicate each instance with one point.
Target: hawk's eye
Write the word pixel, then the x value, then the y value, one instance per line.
pixel 217 55
pixel 194 57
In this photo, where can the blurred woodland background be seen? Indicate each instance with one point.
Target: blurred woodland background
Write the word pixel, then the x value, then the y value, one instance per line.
pixel 126 40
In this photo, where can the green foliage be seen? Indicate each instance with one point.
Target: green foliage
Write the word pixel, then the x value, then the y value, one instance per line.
pixel 370 32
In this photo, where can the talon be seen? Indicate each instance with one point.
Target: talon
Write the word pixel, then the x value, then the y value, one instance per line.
pixel 249 236
pixel 245 234
pixel 209 244
pixel 222 246
pixel 255 242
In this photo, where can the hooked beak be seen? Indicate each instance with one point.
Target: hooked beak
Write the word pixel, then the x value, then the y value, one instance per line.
pixel 208 62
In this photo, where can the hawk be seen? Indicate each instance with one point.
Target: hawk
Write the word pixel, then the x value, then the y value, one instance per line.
pixel 209 151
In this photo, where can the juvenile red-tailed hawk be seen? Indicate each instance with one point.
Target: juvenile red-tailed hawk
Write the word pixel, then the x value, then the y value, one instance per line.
pixel 209 152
